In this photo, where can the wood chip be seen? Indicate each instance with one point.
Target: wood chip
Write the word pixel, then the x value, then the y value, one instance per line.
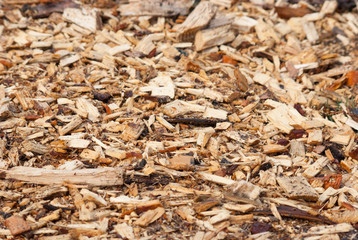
pixel 297 188
pixel 95 177
pixel 150 216
pixel 17 225
pixel 196 20
pixel 216 119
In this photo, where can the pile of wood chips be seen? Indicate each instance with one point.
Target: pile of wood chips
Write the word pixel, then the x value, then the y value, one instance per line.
pixel 178 119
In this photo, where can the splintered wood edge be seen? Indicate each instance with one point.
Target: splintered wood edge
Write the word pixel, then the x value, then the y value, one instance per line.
pixel 92 177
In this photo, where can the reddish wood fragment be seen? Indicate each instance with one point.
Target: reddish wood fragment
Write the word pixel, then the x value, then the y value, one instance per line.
pixel 221 173
pixel 287 12
pixel 336 84
pixel 203 206
pixel 108 110
pixel 259 227
pixel 329 154
pixel 6 63
pixel 216 56
pixel 105 160
pixel 181 162
pixel 299 109
pixel 104 4
pixel 319 149
pixel 283 142
pixel 241 80
pixel 354 154
pixel 32 117
pixel 293 72
pixel 345 166
pixel 192 67
pixel 152 53
pixel 102 96
pixel 348 206
pixel 296 213
pixel 133 155
pixel 169 149
pixel 17 225
pixel 297 133
pixel 230 60
pixel 332 180
pixel 352 78
pixel 149 205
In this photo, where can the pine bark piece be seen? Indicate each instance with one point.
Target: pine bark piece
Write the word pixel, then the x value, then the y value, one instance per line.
pixel 70 126
pixel 213 37
pixel 316 167
pixel 297 187
pixel 85 17
pixel 93 177
pixel 150 216
pixel 163 8
pixel 197 19
pixel 17 225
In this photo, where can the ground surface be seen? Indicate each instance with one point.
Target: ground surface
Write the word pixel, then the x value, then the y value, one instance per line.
pixel 178 120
